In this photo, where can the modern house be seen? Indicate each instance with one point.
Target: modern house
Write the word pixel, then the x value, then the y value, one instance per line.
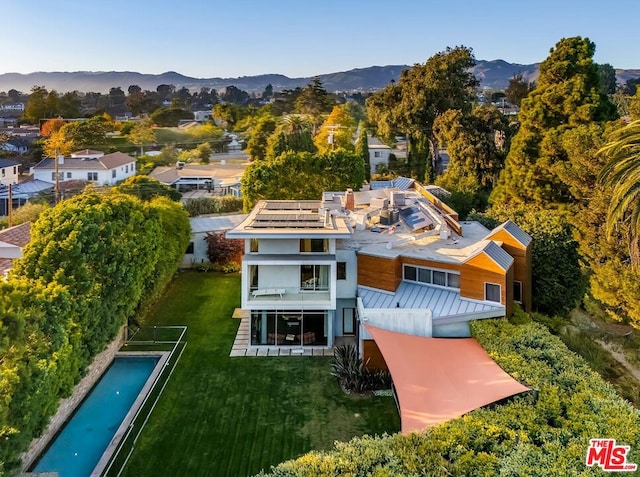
pixel 87 165
pixel 314 270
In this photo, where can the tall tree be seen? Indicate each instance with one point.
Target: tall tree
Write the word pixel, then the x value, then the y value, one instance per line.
pixel 314 100
pixel 423 93
pixel 634 106
pixel 293 134
pixel 301 175
pixel 69 105
pixel 518 89
pixel 477 144
pixel 142 134
pixel 608 80
pixel 567 95
pixel 165 90
pixel 622 175
pixel 91 133
pixel 337 131
pixel 36 107
pixel 257 144
pixel 235 95
pixel 362 149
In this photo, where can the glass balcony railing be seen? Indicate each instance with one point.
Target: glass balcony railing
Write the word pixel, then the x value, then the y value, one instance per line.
pixel 290 294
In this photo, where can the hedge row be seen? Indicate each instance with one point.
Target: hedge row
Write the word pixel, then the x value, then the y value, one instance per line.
pixel 92 262
pixel 213 205
pixel 517 438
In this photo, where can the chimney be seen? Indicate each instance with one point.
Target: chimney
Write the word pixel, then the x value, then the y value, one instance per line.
pixel 349 200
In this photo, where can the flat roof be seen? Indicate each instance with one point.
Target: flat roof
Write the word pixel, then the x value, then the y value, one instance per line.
pixel 438 379
pixel 290 219
pixel 427 246
pixel 215 223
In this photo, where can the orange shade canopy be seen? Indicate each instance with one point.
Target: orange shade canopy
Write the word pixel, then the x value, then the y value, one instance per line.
pixel 438 379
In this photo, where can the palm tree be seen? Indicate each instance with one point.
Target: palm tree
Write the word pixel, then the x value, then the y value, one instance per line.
pixel 622 175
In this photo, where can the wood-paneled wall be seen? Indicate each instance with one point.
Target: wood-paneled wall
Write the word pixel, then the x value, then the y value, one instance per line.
pixel 378 272
pixel 522 263
pixel 372 356
pixel 430 264
pixel 476 272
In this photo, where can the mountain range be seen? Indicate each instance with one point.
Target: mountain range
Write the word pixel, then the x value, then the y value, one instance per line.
pixel 493 74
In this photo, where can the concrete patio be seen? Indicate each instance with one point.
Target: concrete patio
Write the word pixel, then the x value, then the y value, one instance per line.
pixel 241 344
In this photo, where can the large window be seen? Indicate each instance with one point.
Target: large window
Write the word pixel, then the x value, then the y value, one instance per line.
pixel 314 277
pixel 253 277
pixel 314 245
pixel 517 291
pixel 289 328
pixel 492 292
pixel 431 276
pixel 92 176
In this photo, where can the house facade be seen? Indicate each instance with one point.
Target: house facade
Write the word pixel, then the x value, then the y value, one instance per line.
pixel 12 241
pixel 87 165
pixel 9 172
pixel 196 253
pixel 220 178
pixel 378 153
pixel 395 259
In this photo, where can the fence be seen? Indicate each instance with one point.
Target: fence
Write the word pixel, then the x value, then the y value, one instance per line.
pixel 171 339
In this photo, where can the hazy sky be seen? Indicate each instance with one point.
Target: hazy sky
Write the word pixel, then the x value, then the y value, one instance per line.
pixel 211 38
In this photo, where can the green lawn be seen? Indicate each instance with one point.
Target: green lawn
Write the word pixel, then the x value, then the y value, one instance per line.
pixel 222 416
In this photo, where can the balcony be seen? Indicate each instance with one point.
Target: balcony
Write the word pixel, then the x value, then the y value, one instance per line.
pixel 308 295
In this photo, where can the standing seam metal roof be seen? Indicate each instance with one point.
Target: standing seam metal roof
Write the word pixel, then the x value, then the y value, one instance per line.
pixel 440 301
pixel 517 233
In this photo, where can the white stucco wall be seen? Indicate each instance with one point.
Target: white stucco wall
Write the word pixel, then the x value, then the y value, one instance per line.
pixel 347 288
pixel 104 176
pixel 279 246
pixel 9 175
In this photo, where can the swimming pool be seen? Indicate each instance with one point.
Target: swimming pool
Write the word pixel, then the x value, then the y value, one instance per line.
pixel 80 445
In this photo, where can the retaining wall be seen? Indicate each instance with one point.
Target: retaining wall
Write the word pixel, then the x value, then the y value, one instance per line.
pixel 95 370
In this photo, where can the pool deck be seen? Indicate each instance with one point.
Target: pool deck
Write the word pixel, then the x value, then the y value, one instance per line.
pixel 241 345
pixel 135 407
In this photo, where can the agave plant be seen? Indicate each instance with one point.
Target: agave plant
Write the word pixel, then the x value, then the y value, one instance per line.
pixel 352 373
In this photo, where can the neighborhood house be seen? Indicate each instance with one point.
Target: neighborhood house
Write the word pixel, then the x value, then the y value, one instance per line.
pixel 86 165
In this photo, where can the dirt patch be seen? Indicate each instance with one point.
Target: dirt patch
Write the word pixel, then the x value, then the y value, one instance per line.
pixel 620 358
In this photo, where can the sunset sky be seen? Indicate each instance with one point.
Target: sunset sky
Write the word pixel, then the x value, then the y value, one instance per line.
pixel 210 38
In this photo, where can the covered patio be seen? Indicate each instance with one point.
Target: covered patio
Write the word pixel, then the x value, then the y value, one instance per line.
pixel 438 379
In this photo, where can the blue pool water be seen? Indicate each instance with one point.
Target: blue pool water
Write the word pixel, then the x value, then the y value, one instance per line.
pixel 79 446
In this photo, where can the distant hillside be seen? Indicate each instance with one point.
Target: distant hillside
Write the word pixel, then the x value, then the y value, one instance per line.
pixel 493 74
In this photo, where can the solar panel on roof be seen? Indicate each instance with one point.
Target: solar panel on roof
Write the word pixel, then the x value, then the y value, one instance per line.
pixel 416 218
pixel 304 217
pixel 288 225
pixel 292 205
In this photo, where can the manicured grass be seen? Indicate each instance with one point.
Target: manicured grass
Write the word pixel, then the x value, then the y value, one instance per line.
pixel 222 416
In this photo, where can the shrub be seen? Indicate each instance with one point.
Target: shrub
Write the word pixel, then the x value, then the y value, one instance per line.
pixel 514 438
pixel 213 205
pixel 352 374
